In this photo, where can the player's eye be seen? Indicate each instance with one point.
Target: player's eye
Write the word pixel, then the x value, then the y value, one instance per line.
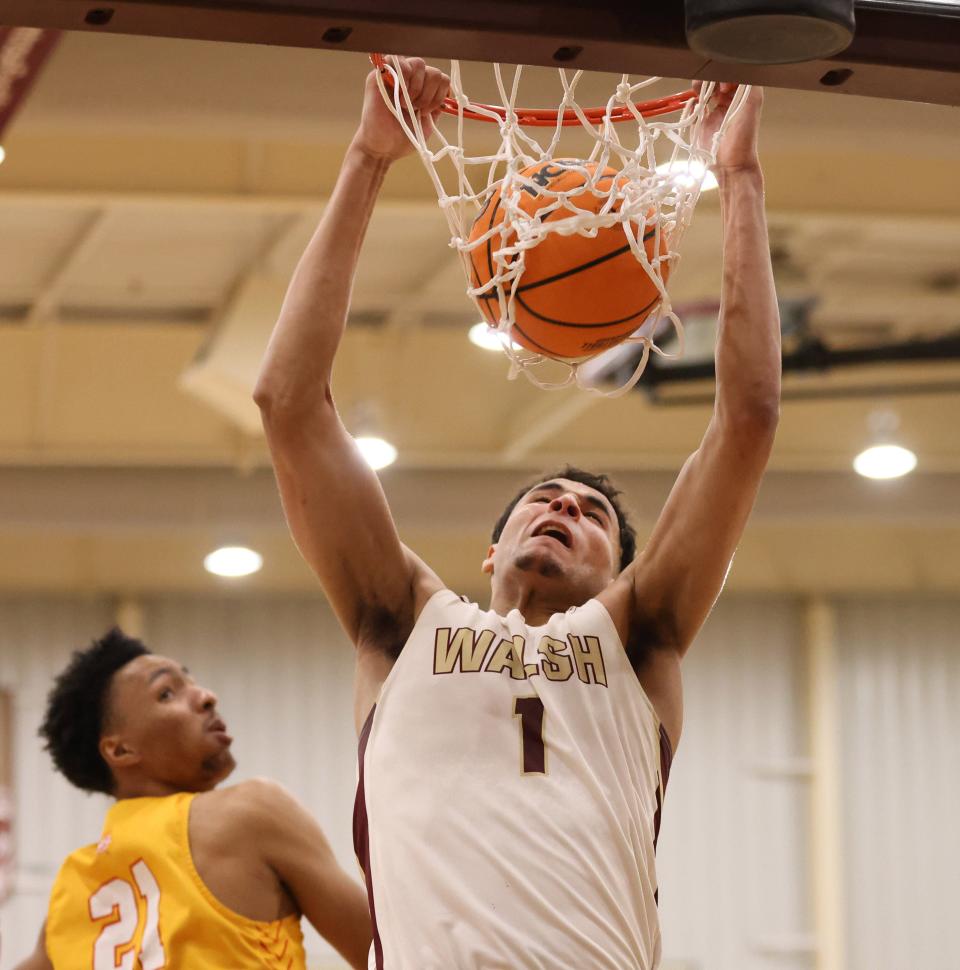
pixel 165 694
pixel 595 516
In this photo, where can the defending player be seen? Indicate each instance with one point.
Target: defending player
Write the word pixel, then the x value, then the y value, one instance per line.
pixel 185 875
pixel 513 760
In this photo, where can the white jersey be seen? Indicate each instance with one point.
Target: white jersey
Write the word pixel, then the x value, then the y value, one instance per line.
pixel 511 779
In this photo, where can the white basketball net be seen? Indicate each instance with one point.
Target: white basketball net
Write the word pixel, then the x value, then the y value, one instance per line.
pixel 640 194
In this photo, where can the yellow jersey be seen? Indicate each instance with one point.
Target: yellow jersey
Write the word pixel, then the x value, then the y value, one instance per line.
pixel 135 901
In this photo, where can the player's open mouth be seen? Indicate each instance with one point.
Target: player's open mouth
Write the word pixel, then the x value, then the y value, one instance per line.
pixel 218 727
pixel 554 532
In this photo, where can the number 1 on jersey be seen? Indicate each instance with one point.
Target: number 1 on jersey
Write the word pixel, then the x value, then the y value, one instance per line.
pixel 533 752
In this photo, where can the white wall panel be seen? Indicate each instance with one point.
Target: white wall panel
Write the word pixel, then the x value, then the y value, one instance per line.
pixel 283 673
pixel 52 818
pixel 284 676
pixel 900 715
pixel 732 859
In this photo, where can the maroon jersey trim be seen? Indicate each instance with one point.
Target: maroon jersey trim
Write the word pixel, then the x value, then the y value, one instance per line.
pixel 361 838
pixel 666 759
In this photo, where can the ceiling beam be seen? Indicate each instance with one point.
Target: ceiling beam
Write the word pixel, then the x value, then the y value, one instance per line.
pixel 222 371
pixel 263 256
pixel 426 293
pixel 544 419
pixel 198 201
pixel 82 244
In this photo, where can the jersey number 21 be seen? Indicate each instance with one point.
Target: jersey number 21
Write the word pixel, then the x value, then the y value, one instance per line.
pixel 113 949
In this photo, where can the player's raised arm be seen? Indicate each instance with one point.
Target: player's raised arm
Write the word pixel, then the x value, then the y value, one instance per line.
pixel 333 501
pixel 290 842
pixel 679 574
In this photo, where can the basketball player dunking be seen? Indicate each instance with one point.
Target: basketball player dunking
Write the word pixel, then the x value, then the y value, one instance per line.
pixel 186 875
pixel 514 760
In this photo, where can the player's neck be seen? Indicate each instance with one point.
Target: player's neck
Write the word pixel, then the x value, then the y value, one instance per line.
pixel 144 788
pixel 535 605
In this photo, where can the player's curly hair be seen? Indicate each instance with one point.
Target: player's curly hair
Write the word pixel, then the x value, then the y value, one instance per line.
pixel 602 483
pixel 77 710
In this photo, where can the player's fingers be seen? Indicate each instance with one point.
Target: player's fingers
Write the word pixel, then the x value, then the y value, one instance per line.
pixel 414 72
pixel 409 64
pixel 372 82
pixel 427 90
pixel 431 118
pixel 443 82
pixel 435 89
pixel 722 96
pixel 430 91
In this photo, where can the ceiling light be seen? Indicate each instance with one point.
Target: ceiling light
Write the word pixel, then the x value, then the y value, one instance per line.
pixel 489 338
pixel 688 172
pixel 376 452
pixel 233 561
pixel 3 154
pixel 885 461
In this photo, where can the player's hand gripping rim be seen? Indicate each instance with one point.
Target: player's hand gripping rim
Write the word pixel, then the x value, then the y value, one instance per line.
pixel 380 135
pixel 738 146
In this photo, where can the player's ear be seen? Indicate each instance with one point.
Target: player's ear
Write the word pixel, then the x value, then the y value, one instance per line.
pixel 117 752
pixel 487 566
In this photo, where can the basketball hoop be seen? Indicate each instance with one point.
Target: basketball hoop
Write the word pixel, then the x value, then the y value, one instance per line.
pixel 637 182
pixel 549 117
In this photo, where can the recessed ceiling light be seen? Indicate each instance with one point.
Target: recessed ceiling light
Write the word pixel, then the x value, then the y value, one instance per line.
pixel 688 172
pixel 376 452
pixel 885 461
pixel 489 338
pixel 233 561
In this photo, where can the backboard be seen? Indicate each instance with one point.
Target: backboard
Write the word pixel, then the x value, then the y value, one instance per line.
pixel 903 49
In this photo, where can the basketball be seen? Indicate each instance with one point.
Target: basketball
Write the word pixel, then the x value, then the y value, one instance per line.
pixel 577 295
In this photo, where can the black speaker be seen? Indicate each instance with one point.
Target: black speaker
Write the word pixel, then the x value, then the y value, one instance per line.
pixel 769 31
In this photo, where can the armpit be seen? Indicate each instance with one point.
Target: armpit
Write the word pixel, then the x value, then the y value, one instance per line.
pixel 384 630
pixel 649 631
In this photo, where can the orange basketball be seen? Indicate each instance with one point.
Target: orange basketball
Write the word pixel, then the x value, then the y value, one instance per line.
pixel 577 295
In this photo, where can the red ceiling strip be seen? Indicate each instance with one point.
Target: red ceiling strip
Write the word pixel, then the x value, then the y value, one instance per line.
pixel 23 52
